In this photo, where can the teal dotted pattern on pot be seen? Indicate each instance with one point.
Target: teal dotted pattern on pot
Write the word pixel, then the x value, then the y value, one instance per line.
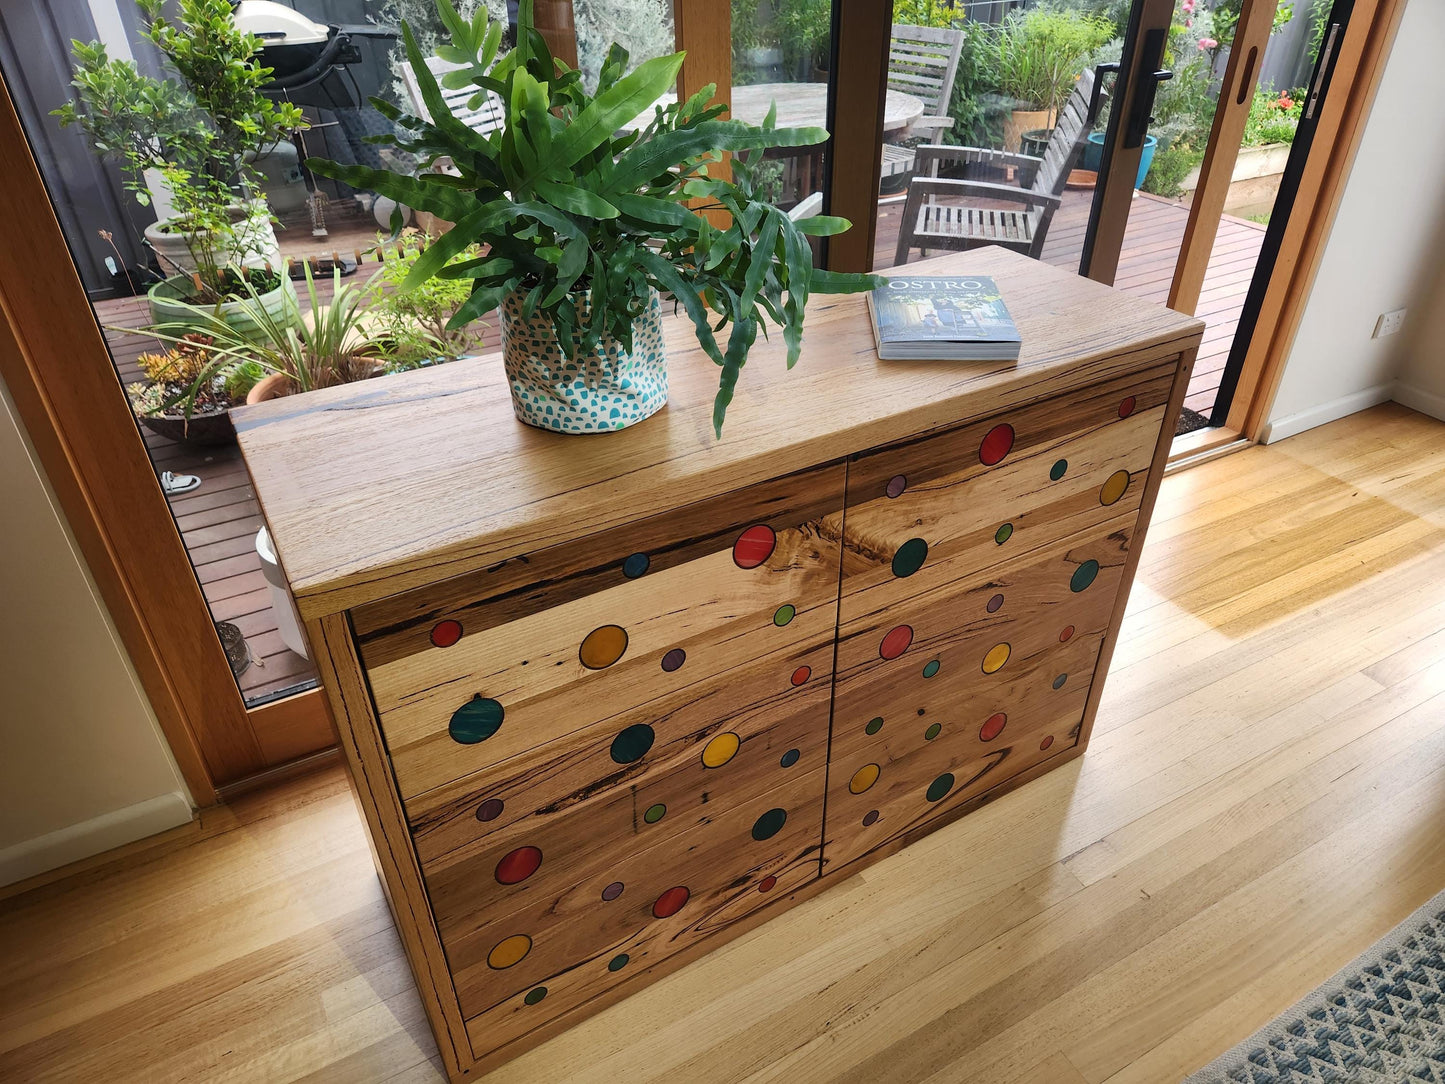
pixel 593 393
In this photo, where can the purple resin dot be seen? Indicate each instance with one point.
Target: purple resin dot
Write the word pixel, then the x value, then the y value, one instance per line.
pixel 896 485
pixel 490 810
pixel 994 603
pixel 870 817
pixel 674 659
pixel 612 891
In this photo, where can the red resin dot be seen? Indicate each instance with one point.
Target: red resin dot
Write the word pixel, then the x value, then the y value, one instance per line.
pixel 670 902
pixel 519 865
pixel 1048 741
pixel 754 546
pixel 1126 407
pixel 446 633
pixel 996 445
pixel 766 884
pixel 802 674
pixel 896 642
pixel 1067 634
pixel 993 728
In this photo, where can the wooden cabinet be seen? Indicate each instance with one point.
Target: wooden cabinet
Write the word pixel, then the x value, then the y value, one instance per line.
pixel 608 701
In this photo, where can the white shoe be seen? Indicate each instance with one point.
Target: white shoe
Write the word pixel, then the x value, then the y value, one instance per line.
pixel 178 483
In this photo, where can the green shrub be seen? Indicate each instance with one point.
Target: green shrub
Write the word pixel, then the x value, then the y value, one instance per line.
pixel 1040 52
pixel 1172 164
pixel 1273 117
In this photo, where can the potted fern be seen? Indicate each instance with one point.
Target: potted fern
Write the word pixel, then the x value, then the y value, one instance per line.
pixel 587 225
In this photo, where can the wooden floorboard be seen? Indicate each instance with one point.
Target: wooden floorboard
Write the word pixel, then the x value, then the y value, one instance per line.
pixel 1261 802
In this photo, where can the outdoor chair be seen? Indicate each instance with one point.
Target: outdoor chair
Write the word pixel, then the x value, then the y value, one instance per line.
pixel 922 61
pixel 928 222
pixel 485 119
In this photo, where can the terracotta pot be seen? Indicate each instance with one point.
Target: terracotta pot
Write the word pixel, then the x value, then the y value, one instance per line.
pixel 1021 121
pixel 268 387
pixel 592 393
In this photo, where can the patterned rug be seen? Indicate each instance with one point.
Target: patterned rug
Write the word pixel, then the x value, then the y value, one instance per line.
pixel 1381 1020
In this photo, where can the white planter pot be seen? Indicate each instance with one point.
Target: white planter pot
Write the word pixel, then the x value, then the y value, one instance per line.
pixel 173 247
pixel 288 620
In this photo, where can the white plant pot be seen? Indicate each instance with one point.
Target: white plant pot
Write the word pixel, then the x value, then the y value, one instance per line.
pixel 288 620
pixel 173 246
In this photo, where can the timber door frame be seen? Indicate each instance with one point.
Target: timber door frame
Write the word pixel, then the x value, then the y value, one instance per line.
pixel 58 368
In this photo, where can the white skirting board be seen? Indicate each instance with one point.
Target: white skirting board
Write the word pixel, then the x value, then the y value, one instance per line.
pixel 114 829
pixel 1343 407
pixel 1419 399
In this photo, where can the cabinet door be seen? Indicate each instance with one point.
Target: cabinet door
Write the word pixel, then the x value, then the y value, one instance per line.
pixel 610 754
pixel 981 568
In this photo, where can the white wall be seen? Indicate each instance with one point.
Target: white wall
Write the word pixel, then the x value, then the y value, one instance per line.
pixel 83 764
pixel 1383 242
pixel 1421 382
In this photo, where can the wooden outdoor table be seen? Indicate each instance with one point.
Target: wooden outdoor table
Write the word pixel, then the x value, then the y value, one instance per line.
pixel 805 105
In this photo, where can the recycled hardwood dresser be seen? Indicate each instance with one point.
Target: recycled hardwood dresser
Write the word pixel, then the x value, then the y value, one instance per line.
pixel 609 701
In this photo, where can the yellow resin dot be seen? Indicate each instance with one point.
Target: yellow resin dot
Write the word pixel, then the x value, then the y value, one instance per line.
pixel 996 657
pixel 509 951
pixel 863 778
pixel 1114 487
pixel 721 750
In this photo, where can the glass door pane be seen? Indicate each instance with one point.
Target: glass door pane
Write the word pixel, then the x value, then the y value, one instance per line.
pixel 781 53
pixel 1000 105
pixel 327 59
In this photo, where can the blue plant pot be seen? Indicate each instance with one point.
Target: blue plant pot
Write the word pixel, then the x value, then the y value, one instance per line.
pixel 1093 156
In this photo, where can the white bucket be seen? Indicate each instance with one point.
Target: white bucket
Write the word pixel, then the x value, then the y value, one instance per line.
pixel 288 621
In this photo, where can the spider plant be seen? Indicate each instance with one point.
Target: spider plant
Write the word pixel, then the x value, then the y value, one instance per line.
pixel 331 344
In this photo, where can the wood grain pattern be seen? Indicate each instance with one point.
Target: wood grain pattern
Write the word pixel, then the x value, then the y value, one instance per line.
pixel 375 793
pixel 940 714
pixel 401 625
pixel 575 929
pixel 717 615
pixel 339 471
pixel 770 717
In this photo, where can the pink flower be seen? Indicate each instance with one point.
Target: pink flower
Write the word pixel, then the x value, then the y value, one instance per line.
pixel 1188 23
pixel 1187 7
pixel 1207 43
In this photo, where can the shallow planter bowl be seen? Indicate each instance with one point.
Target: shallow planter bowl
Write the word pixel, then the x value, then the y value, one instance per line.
pixel 200 430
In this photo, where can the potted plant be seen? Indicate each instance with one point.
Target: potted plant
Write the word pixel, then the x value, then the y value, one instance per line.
pixel 412 324
pixel 586 224
pixel 187 398
pixel 201 133
pixel 333 342
pixel 1039 54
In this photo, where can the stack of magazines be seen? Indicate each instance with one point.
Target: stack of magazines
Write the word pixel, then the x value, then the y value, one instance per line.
pixel 942 318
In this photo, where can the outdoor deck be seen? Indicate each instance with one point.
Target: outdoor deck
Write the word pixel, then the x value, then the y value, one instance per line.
pixel 218 522
pixel 1146 268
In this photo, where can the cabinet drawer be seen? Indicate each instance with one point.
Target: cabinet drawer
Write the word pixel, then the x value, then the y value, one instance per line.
pixel 970 683
pixel 628 906
pixel 466 675
pixel 685 757
pixel 926 512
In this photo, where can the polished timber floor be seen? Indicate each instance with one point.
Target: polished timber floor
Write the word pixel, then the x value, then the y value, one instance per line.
pixel 1262 801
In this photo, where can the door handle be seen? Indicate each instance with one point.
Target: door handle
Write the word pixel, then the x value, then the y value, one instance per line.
pixel 1151 76
pixel 1100 71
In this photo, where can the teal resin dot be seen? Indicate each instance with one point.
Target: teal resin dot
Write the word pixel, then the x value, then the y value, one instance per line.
pixel 476 720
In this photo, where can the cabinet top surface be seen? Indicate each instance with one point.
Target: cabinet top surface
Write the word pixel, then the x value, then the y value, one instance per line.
pixel 381 486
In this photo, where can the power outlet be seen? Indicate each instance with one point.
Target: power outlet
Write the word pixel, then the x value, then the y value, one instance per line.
pixel 1388 323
